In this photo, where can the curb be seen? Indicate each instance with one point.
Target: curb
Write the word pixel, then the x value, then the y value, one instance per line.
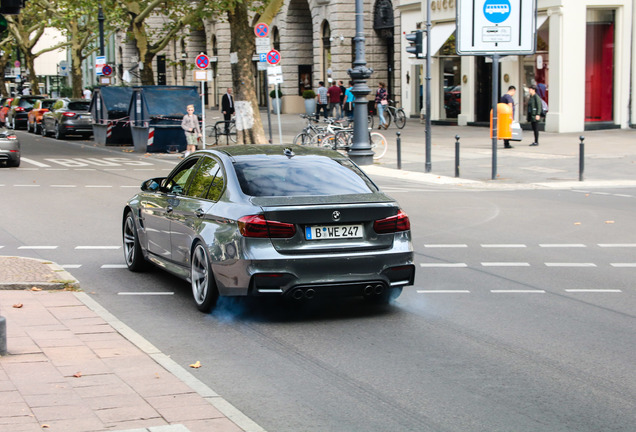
pixel 63 279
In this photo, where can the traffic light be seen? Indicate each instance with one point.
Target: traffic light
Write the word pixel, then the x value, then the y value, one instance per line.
pixel 415 39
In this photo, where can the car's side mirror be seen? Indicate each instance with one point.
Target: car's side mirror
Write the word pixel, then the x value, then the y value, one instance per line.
pixel 152 185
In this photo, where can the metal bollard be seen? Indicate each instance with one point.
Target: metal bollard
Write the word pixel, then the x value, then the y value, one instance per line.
pixel 581 158
pixel 456 155
pixel 399 151
pixel 3 336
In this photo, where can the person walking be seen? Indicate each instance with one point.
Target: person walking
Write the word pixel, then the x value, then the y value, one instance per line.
pixel 190 125
pixel 227 107
pixel 343 89
pixel 535 111
pixel 87 93
pixel 321 99
pixel 348 101
pixel 508 100
pixel 381 101
pixel 334 94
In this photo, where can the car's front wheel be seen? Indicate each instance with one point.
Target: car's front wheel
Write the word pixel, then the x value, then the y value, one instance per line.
pixel 43 129
pixel 204 288
pixel 133 255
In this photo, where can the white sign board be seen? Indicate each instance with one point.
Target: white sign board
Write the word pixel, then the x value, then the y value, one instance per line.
pixel 486 27
pixel 275 74
pixel 262 45
pixel 63 68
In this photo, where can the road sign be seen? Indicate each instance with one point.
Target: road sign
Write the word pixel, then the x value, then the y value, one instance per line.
pixel 202 61
pixel 273 57
pixel 98 69
pixel 262 45
pixel 275 74
pixel 100 60
pixel 107 70
pixel 262 58
pixel 261 30
pixel 63 68
pixel 487 27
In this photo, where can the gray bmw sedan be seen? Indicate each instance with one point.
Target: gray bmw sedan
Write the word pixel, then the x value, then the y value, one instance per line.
pixel 270 220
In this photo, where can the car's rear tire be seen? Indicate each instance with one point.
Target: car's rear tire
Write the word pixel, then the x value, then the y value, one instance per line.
pixel 59 133
pixel 204 288
pixel 42 129
pixel 133 255
pixel 14 163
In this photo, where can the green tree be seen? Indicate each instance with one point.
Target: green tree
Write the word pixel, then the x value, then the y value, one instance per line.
pixel 6 49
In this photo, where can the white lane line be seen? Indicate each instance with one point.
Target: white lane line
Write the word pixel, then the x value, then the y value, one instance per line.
pixel 623 265
pixel 56 169
pixel 503 245
pixel 443 292
pixel 28 169
pixel 71 266
pixel 551 264
pixel 1 247
pixel 63 186
pixel 562 245
pixel 114 169
pixel 444 265
pixel 601 193
pixel 37 247
pixel 98 186
pixel 32 162
pixel 505 264
pixel 145 293
pixel 144 169
pixel 445 245
pixel 624 195
pixel 617 245
pixel 517 291
pixel 136 187
pixel 97 247
pixel 593 290
pixel 114 266
pixel 27 185
pixel 85 169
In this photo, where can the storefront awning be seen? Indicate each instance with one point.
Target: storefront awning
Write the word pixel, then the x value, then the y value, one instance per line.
pixel 439 35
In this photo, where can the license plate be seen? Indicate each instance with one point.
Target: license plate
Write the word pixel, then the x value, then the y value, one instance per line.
pixel 85 117
pixel 328 232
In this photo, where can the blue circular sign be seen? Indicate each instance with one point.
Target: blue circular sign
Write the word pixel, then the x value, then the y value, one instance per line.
pixel 497 11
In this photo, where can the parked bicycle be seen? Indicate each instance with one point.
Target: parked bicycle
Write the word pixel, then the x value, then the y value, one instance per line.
pixel 218 131
pixel 395 114
pixel 343 140
pixel 310 130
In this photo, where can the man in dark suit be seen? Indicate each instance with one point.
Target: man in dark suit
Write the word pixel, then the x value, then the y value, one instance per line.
pixel 227 107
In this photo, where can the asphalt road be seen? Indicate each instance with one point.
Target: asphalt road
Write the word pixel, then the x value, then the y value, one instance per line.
pixel 521 318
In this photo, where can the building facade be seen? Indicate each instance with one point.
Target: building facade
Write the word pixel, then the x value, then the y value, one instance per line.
pixel 583 66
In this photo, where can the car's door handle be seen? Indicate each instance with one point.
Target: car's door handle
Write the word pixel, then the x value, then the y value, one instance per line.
pixel 199 212
pixel 169 209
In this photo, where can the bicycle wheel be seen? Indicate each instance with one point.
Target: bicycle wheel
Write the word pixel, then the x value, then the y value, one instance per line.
pixel 232 132
pixel 387 117
pixel 209 131
pixel 378 145
pixel 302 138
pixel 400 118
pixel 343 140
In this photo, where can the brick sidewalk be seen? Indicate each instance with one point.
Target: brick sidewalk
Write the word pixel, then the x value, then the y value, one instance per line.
pixel 21 273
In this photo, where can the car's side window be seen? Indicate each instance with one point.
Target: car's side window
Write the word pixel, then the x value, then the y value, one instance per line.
pixel 216 188
pixel 205 180
pixel 177 183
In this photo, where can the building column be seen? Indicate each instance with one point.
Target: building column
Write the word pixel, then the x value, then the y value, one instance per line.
pixel 468 91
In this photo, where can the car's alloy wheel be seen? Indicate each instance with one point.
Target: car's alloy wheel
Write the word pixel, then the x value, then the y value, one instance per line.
pixel 132 249
pixel 204 288
pixel 43 130
pixel 59 133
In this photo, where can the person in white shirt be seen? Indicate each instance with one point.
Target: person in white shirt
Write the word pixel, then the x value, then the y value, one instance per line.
pixel 87 93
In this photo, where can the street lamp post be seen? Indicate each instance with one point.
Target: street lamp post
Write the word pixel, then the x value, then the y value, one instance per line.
pixel 361 152
pixel 100 18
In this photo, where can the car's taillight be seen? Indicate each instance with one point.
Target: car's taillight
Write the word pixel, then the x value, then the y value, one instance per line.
pixel 258 226
pixel 19 109
pixel 397 223
pixel 12 137
pixel 69 114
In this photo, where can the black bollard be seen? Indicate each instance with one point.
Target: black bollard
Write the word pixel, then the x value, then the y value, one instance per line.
pixel 581 158
pixel 399 151
pixel 3 336
pixel 456 155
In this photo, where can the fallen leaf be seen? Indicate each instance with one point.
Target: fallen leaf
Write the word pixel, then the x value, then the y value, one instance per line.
pixel 36 289
pixel 78 375
pixel 196 365
pixel 577 223
pixel 609 222
pixel 45 426
pixel 18 305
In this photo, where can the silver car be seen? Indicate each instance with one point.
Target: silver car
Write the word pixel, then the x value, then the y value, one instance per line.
pixel 9 148
pixel 270 221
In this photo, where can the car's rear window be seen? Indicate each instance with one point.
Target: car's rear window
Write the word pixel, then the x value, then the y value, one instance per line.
pixel 306 175
pixel 78 106
pixel 47 104
pixel 26 103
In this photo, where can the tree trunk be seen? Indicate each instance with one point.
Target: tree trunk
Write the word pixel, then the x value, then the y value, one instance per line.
pixel 249 126
pixel 147 74
pixel 4 60
pixel 33 78
pixel 76 67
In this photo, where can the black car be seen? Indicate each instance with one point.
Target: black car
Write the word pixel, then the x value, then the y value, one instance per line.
pixel 68 117
pixel 17 116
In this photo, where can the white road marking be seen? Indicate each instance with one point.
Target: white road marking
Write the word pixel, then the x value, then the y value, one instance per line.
pixel 623 265
pixel 27 169
pixel 562 245
pixel 63 186
pixel 97 247
pixel 32 162
pixel 617 245
pixel 113 266
pixel 57 169
pixel 98 186
pixel 445 245
pixel 37 247
pixel 71 266
pixel 114 169
pixel 552 264
pixel 593 290
pixel 503 245
pixel 443 292
pixel 624 195
pixel 443 265
pixel 145 293
pixel 136 187
pixel 505 264
pixel 27 185
pixel 517 291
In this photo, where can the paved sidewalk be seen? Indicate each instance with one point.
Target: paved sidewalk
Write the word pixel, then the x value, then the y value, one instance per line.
pixel 73 367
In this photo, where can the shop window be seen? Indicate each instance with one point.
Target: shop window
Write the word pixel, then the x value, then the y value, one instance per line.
pixel 599 66
pixel 450 64
pixel 536 70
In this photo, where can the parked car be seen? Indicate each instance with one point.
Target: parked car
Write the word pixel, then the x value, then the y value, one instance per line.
pixel 5 104
pixel 270 220
pixel 68 117
pixel 9 148
pixel 34 119
pixel 19 110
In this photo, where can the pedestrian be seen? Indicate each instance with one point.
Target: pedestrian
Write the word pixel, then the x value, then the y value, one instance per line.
pixel 87 93
pixel 348 101
pixel 321 99
pixel 508 100
pixel 334 94
pixel 381 101
pixel 535 111
pixel 190 124
pixel 227 107
pixel 343 89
